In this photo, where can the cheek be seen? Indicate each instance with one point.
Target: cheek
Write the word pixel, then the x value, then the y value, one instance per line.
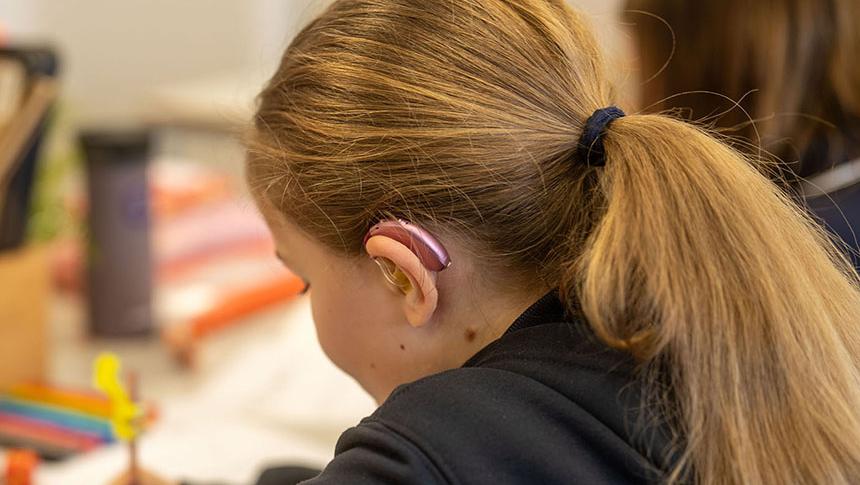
pixel 333 330
pixel 350 322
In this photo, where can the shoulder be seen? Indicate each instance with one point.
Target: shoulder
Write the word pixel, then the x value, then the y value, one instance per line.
pixel 441 421
pixel 460 408
pixel 519 416
pixel 488 425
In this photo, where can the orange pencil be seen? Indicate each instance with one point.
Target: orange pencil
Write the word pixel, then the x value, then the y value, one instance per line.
pixel 182 338
pixel 88 403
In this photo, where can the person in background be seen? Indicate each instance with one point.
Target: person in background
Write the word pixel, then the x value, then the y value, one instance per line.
pixel 780 75
pixel 536 287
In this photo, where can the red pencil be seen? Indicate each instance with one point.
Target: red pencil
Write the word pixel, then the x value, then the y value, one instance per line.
pixel 32 429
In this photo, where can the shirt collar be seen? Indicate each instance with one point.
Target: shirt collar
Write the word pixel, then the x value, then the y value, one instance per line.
pixel 547 309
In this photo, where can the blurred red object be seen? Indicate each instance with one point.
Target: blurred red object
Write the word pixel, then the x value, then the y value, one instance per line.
pixel 183 242
pixel 177 186
pixel 197 219
pixel 20 467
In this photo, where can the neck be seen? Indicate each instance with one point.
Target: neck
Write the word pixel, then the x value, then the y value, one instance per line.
pixel 481 315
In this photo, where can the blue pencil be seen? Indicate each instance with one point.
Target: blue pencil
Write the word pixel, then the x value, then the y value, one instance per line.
pixel 60 417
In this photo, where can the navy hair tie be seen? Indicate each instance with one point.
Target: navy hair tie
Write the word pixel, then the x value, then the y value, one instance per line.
pixel 590 149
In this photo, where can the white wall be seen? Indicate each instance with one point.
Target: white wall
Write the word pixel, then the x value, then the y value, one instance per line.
pixel 116 51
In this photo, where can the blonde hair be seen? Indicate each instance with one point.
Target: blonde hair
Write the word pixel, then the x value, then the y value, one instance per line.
pixel 464 115
pixel 791 66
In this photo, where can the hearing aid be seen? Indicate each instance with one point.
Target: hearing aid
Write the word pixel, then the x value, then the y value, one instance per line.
pixel 421 243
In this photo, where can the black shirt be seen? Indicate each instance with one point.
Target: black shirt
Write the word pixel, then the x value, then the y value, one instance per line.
pixel 544 404
pixel 839 212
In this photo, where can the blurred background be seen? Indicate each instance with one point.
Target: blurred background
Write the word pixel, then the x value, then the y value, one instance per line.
pixel 126 228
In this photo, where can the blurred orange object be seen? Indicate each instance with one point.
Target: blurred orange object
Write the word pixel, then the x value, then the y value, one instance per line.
pixel 20 467
pixel 24 303
pixel 182 338
pixel 246 302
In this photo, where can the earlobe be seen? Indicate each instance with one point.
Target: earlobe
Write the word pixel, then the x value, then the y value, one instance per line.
pixel 417 284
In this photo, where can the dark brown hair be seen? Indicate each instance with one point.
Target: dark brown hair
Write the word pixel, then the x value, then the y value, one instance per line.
pixel 792 66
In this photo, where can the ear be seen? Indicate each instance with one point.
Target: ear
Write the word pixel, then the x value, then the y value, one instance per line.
pixel 420 296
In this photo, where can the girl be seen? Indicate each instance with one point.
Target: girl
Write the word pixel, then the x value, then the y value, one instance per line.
pixel 535 287
pixel 791 65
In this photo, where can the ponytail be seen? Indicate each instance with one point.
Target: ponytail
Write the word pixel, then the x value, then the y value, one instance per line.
pixel 702 267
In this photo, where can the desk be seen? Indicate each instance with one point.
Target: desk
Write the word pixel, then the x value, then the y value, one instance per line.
pixel 263 394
